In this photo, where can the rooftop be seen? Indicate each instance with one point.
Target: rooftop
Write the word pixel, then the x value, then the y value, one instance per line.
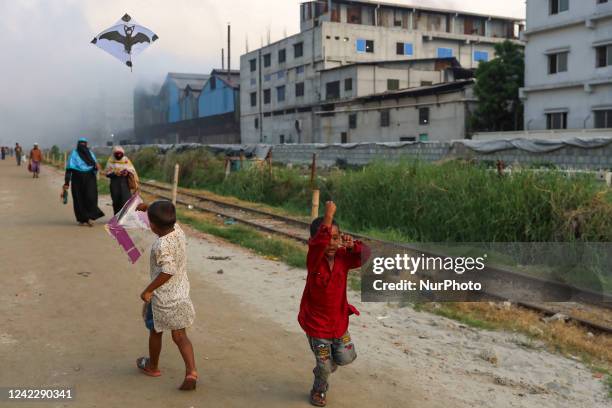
pixel 451 60
pixel 419 91
pixel 432 9
pixel 195 81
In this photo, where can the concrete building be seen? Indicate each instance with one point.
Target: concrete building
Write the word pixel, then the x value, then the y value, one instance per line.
pixel 568 77
pixel 282 86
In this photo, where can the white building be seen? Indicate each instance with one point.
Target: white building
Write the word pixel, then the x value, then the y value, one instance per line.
pixel 568 74
pixel 283 84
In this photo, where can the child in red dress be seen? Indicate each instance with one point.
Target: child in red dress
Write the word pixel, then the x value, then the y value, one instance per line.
pixel 324 310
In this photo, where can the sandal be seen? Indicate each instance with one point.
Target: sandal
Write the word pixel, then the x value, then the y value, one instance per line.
pixel 318 399
pixel 142 363
pixel 190 382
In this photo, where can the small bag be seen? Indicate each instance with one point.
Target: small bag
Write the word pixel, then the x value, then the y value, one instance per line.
pixel 30 167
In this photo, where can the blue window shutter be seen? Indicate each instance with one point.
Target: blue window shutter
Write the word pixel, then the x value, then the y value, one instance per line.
pixel 445 52
pixel 481 56
pixel 361 46
pixel 408 49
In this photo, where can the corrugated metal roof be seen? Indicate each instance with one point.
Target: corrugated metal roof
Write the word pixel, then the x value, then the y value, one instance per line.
pixel 231 78
pixel 419 91
pixel 182 80
pixel 452 60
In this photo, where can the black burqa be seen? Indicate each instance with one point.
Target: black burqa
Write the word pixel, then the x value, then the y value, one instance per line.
pixel 84 187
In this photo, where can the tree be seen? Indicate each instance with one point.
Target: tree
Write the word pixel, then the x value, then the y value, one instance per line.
pixel 497 89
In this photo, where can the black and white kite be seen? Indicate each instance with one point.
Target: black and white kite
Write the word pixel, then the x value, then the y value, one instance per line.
pixel 125 40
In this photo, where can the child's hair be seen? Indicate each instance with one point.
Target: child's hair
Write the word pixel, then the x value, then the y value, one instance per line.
pixel 162 213
pixel 316 224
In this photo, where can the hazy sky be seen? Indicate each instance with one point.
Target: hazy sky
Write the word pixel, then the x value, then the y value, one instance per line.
pixel 51 77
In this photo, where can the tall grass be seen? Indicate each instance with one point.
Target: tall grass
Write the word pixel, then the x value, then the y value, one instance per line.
pixel 414 201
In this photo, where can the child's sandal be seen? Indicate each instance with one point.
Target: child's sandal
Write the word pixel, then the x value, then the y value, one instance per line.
pixel 317 399
pixel 190 382
pixel 142 362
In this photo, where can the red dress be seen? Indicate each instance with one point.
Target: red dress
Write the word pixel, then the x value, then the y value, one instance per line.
pixel 324 310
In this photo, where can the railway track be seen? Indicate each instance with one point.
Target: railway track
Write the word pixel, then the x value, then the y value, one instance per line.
pixel 296 229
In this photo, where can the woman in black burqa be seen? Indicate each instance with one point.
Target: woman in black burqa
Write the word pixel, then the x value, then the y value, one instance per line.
pixel 81 169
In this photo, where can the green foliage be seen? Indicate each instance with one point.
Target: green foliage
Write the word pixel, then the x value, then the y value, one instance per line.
pixel 414 201
pixel 497 88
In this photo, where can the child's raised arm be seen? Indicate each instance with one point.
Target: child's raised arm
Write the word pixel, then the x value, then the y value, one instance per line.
pixel 319 242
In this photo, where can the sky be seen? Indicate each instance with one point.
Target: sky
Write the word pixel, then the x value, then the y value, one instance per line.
pixel 53 81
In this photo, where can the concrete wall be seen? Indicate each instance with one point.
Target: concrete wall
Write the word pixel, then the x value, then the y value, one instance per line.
pixel 544 134
pixel 447 119
pixel 565 158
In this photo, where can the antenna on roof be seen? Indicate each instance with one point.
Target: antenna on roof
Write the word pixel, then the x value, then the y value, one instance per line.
pixel 269 34
pixel 222 59
pixel 246 43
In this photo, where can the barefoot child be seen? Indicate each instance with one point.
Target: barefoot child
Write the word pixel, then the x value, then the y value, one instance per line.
pixel 167 303
pixel 324 310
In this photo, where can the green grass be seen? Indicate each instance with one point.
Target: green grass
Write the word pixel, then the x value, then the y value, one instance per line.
pixel 445 310
pixel 292 254
pixel 412 201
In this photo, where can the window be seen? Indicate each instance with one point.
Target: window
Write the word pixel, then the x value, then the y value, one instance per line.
pixel 364 46
pixel 385 118
pixel 299 89
pixel 280 74
pixel 213 83
pixel 352 121
pixel 344 138
pixel 481 56
pixel 267 60
pixel 423 137
pixel 404 49
pixel 298 50
pixel 256 123
pixel 393 84
pixel 353 14
pixel 426 83
pixel 267 96
pixel 407 139
pixel 281 139
pixel 603 119
pixel 445 52
pixel 557 62
pixel 253 98
pixel 253 64
pixel 348 84
pixel 280 93
pixel 424 116
pixel 282 56
pixel 299 70
pixel 332 90
pixel 557 120
pixel 253 81
pixel 558 6
pixel 604 56
pixel 267 77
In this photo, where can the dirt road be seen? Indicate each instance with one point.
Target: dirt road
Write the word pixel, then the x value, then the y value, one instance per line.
pixel 70 317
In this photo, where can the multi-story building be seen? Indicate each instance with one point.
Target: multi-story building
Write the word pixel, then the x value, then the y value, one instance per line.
pixel 282 86
pixel 568 59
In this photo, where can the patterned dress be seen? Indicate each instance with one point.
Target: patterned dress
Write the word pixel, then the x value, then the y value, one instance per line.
pixel 171 305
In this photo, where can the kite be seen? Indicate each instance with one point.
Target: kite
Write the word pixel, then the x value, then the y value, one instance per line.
pixel 125 40
pixel 131 230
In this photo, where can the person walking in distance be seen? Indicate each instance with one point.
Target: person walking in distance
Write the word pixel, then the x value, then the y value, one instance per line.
pixel 18 153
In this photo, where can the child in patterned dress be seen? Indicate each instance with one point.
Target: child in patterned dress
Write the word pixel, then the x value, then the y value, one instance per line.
pixel 168 306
